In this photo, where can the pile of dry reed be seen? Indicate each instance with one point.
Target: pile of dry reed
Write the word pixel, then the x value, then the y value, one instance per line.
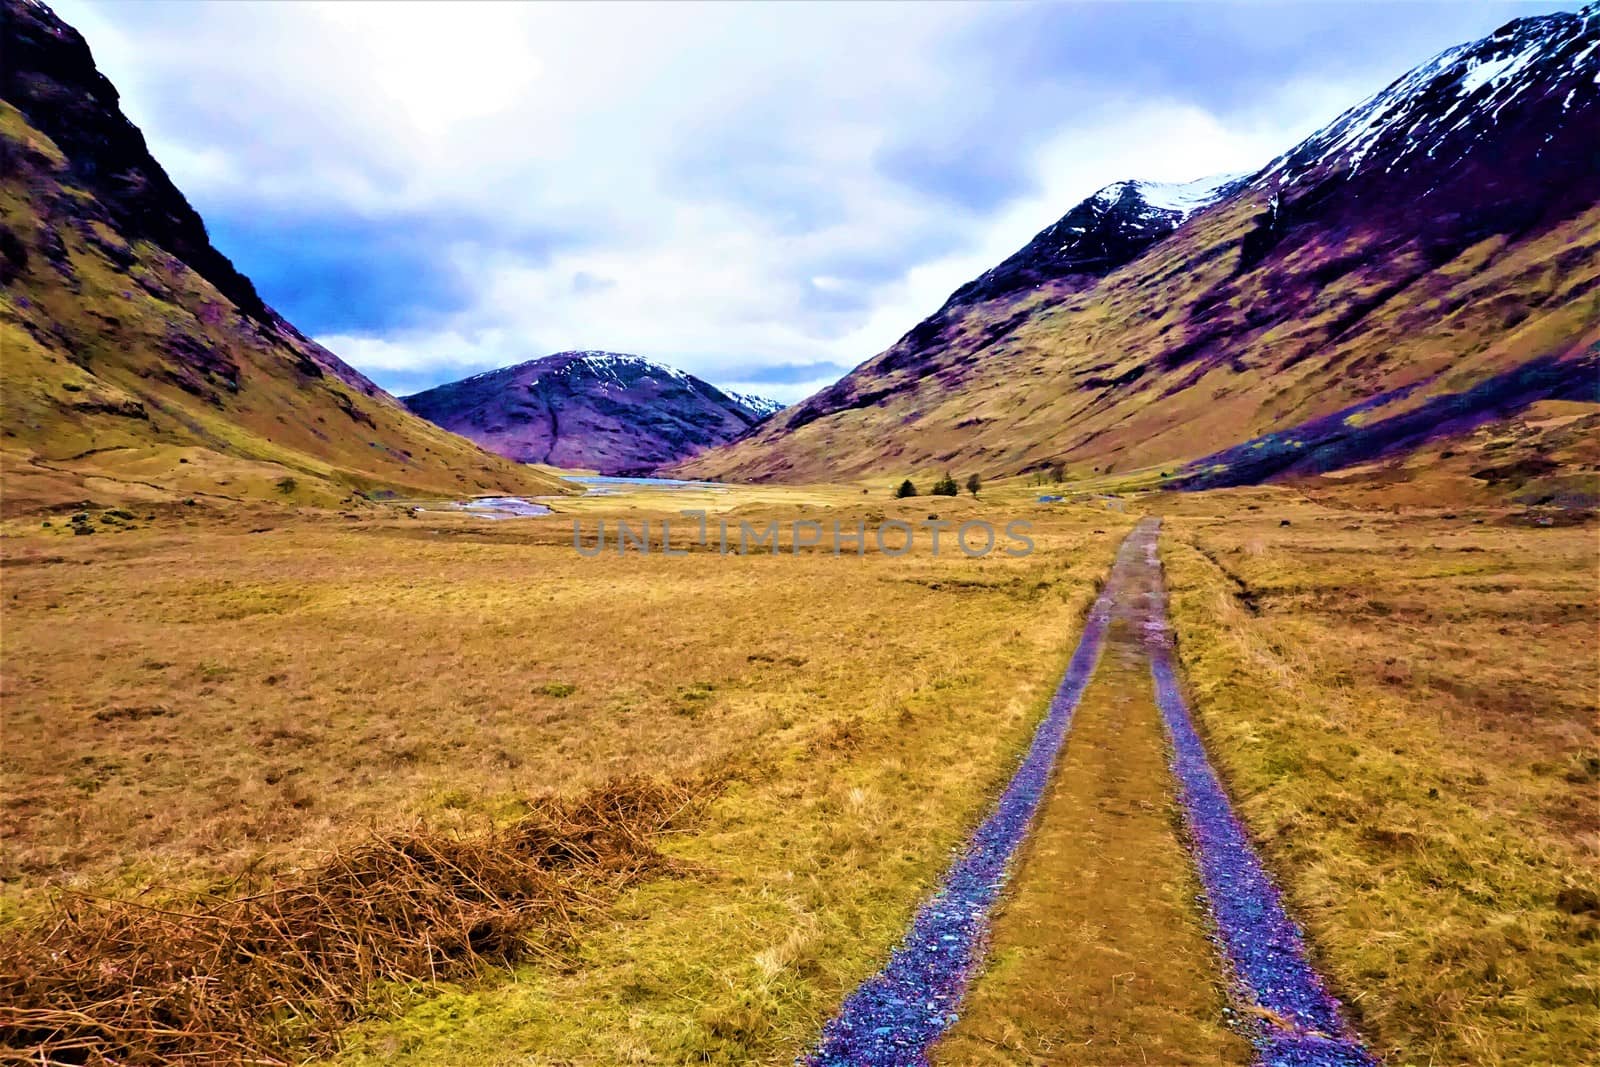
pixel 275 968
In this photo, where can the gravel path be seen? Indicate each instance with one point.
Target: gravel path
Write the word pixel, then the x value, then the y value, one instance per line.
pixel 893 1018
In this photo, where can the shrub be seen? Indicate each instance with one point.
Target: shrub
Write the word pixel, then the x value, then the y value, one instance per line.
pixel 946 486
pixel 905 489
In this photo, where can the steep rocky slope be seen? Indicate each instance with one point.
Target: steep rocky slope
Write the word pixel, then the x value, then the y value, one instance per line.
pixel 138 362
pixel 618 414
pixel 1431 256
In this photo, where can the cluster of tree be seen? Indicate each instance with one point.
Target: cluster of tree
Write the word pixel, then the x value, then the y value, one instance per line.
pixel 945 486
pixel 1054 474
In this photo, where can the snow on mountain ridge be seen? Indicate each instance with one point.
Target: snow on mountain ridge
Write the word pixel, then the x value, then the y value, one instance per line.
pixel 1186 198
pixel 1475 82
pixel 759 406
pixel 1180 198
pixel 596 361
pixel 1110 227
pixel 606 364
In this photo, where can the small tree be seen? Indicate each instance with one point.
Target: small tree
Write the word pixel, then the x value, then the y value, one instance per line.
pixel 905 489
pixel 946 486
pixel 974 483
pixel 1058 472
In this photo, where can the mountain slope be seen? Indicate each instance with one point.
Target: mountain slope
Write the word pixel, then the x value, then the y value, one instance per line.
pixel 614 413
pixel 138 361
pixel 1433 239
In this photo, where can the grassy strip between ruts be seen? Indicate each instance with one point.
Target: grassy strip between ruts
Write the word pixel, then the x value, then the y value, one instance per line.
pixel 1416 755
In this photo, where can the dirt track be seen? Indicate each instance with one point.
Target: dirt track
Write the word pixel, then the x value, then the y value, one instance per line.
pixel 1098 953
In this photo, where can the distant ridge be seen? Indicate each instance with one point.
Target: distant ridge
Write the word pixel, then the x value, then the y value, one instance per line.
pixel 607 411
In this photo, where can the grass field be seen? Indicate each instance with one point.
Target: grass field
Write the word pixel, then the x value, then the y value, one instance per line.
pixel 1401 704
pixel 182 702
pixel 1406 707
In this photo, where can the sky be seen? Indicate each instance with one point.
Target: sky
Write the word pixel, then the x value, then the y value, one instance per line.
pixel 763 195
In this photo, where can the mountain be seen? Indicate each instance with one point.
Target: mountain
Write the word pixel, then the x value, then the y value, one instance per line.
pixel 1112 227
pixel 1425 263
pixel 618 414
pixel 139 362
pixel 759 406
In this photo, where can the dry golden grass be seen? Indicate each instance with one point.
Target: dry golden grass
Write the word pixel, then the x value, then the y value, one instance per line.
pixel 1402 704
pixel 1404 707
pixel 191 696
pixel 271 966
pixel 184 702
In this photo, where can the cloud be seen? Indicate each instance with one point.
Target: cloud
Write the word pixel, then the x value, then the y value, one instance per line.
pixel 339 273
pixel 584 282
pixel 764 195
pixel 787 373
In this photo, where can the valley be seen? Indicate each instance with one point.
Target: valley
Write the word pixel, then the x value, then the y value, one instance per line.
pixel 350 727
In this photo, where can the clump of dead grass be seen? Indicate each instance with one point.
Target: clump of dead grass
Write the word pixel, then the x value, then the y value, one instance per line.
pixel 276 965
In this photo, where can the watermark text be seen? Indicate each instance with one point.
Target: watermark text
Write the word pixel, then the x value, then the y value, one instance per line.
pixel 974 538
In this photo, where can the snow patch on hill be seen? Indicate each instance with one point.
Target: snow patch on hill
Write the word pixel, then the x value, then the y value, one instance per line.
pixel 614 365
pixel 759 406
pixel 1186 198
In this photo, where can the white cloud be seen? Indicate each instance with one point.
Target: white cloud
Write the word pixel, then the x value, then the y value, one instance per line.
pixel 728 185
pixel 707 292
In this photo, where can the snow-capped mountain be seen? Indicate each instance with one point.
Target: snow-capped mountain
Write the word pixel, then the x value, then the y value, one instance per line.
pixel 1185 198
pixel 759 406
pixel 607 411
pixel 1463 98
pixel 1100 234
pixel 1426 262
pixel 1110 228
